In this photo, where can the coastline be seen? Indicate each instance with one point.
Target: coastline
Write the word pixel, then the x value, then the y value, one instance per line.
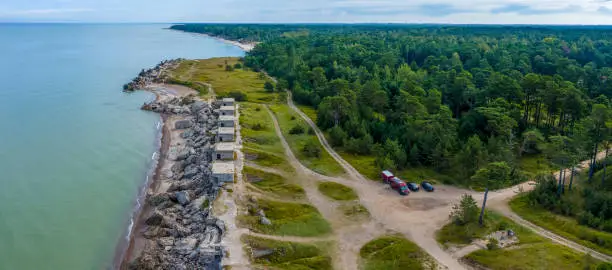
pixel 245 46
pixel 170 226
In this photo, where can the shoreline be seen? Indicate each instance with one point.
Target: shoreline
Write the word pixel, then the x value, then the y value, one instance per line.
pixel 247 47
pixel 169 225
pixel 129 247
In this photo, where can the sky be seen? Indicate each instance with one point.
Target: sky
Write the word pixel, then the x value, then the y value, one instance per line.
pixel 317 11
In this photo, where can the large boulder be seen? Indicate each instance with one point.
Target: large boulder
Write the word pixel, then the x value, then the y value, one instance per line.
pixel 155 219
pixel 183 124
pixel 265 221
pixel 182 197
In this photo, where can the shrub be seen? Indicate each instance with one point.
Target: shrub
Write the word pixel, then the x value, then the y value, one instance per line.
pixel 237 95
pixel 258 126
pixel 297 129
pixel 269 87
pixel 229 68
pixel 492 244
pixel 312 149
pixel 205 203
pixel 337 136
pixel 238 66
pixel 311 131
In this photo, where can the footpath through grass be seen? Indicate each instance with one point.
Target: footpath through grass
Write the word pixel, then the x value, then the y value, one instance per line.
pixel 261 145
pixel 304 142
pixel 563 226
pixel 273 183
pixel 294 219
pixel 531 252
pixel 394 252
pixel 287 255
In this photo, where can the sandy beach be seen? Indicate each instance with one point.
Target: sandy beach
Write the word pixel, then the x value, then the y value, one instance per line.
pixel 245 46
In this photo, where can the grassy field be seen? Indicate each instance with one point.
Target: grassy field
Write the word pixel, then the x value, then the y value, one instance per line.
pixel 532 251
pixel 532 165
pixel 288 119
pixel 452 233
pixel 337 191
pixel 309 111
pixel 394 252
pixel 212 71
pixel 288 255
pixel 273 183
pixel 544 256
pixel 563 226
pixel 287 219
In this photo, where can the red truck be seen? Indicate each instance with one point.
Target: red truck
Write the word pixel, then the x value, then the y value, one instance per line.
pixel 395 183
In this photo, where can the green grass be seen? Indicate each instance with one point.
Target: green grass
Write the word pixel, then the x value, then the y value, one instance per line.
pixel 212 71
pixel 337 191
pixel 288 219
pixel 543 256
pixel 288 255
pixel 563 226
pixel 257 129
pixel 267 159
pixel 273 183
pixel 532 165
pixel 309 111
pixel 452 233
pixel 394 252
pixel 324 164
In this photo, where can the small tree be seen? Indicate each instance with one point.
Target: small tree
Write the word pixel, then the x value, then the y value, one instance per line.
pixel 466 212
pixel 269 87
pixel 337 136
pixel 312 149
pixel 492 244
pixel 297 129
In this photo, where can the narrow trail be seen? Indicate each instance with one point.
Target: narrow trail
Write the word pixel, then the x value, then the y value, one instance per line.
pixel 505 210
pixel 349 235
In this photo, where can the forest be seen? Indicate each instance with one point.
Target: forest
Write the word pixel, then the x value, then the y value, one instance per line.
pixel 468 101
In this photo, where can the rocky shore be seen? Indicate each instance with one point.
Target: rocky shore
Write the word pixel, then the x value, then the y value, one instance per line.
pixel 152 76
pixel 176 228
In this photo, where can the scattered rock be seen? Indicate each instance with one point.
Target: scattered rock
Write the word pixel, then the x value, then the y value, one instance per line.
pixel 155 219
pixel 258 253
pixel 186 245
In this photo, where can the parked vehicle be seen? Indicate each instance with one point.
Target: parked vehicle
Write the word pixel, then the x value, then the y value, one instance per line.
pixel 427 186
pixel 387 176
pixel 399 185
pixel 413 186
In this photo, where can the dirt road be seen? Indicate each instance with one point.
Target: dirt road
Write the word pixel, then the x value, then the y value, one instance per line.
pixel 420 225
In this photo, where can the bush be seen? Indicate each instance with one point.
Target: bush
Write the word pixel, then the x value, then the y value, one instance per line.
pixel 361 146
pixel 237 95
pixel 492 244
pixel 297 129
pixel 229 68
pixel 238 66
pixel 312 149
pixel 205 203
pixel 337 136
pixel 311 131
pixel 269 87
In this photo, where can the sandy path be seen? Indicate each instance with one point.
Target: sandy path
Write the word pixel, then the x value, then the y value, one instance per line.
pixel 237 258
pixel 431 220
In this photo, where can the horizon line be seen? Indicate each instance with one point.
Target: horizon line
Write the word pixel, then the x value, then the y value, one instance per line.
pixel 307 23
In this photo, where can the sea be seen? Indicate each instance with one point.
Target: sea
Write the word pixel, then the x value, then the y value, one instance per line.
pixel 75 151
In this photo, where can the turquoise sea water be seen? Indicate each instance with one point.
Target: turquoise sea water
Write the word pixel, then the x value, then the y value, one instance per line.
pixel 74 149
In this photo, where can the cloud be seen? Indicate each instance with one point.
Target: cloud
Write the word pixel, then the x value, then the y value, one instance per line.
pixel 529 10
pixel 604 10
pixel 51 11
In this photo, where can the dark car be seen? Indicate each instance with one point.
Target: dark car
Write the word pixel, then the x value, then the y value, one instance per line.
pixel 427 186
pixel 413 186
